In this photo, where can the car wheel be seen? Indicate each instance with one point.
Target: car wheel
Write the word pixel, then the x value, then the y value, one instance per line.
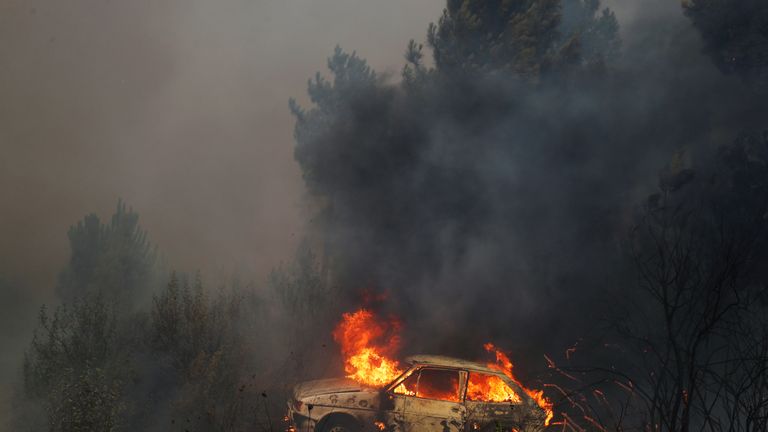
pixel 340 425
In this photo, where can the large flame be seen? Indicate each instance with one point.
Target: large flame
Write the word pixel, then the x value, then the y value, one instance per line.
pixel 367 345
pixel 505 365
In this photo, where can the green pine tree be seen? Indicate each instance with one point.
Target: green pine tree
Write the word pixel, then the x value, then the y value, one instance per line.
pixel 115 258
pixel 525 37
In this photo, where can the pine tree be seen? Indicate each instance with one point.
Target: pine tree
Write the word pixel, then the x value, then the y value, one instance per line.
pixel 525 37
pixel 735 35
pixel 115 258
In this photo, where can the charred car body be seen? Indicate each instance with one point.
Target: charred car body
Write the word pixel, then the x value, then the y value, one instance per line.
pixel 435 394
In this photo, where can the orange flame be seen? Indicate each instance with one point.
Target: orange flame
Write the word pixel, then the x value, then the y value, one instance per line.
pixel 505 365
pixel 489 388
pixel 366 345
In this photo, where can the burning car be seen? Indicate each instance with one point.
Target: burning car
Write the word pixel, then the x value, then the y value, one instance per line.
pixel 434 394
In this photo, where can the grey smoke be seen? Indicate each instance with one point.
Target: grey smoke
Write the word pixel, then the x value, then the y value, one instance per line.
pixel 176 107
pixel 492 212
pixel 179 108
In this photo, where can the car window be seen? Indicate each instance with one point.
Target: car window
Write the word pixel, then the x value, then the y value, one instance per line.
pixel 408 386
pixel 489 388
pixel 439 384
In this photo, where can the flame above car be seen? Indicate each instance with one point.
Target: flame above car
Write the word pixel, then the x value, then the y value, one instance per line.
pixel 367 345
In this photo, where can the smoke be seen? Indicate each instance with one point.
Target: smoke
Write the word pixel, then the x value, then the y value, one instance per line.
pixel 176 107
pixel 492 209
pixel 488 209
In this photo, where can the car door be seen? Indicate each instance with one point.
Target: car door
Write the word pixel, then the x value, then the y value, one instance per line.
pixel 397 397
pixel 435 404
pixel 493 403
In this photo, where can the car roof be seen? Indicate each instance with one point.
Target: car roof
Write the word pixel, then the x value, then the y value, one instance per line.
pixel 435 360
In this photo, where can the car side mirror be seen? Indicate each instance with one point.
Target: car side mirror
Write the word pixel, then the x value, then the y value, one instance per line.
pixel 387 400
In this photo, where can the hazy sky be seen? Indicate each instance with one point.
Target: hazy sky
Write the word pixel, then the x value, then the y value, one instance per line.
pixel 178 107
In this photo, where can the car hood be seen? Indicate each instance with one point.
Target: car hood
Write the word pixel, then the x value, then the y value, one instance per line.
pixel 328 386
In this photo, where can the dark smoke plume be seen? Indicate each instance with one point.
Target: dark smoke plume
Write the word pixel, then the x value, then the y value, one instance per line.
pixel 492 194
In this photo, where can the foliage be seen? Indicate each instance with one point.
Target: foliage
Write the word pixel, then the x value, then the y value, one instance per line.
pixel 699 249
pixel 353 81
pixel 688 349
pixel 203 344
pixel 735 34
pixel 116 258
pixel 526 38
pixel 197 359
pixel 75 367
pixel 300 289
pixel 189 366
pixel 303 300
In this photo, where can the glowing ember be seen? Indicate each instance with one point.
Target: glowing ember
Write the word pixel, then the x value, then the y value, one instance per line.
pixel 505 365
pixel 366 345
